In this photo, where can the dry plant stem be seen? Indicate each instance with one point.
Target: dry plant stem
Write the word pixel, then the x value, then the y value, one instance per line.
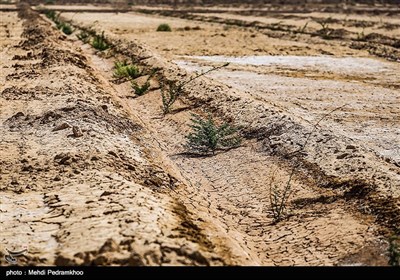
pixel 202 74
pixel 175 92
pixel 278 210
pixel 287 190
pixel 315 127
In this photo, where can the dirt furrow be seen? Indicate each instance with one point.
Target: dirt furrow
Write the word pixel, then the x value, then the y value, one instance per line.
pixel 233 189
pixel 376 44
pixel 92 174
pixel 76 187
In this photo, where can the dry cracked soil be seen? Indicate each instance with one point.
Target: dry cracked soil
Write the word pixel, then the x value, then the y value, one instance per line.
pixel 91 174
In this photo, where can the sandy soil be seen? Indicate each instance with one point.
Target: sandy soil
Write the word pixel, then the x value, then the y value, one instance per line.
pixel 367 24
pixel 119 190
pixel 232 189
pixel 211 39
pixel 371 114
pixel 333 35
pixel 94 197
pixel 371 86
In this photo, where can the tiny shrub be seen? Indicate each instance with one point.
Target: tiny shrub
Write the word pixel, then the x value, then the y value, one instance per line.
pixel 99 42
pixel 279 194
pixel 140 90
pixel 170 95
pixel 66 28
pixel 279 197
pixel 123 69
pixel 83 36
pixel 207 136
pixel 164 28
pixel 51 14
pixel 63 26
pixel 394 251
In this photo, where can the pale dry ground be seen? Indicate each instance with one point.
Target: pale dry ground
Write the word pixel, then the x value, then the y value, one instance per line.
pixel 371 114
pixel 211 39
pixel 310 21
pixel 232 187
pixel 130 157
pixel 286 17
pixel 2 6
pixel 72 7
pixel 370 87
pixel 98 198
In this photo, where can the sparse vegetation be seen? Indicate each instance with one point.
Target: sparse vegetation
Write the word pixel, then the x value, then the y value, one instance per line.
pixel 325 31
pixel 51 14
pixel 361 35
pixel 140 90
pixel 279 196
pixel 164 27
pixel 207 136
pixel 170 95
pixel 303 28
pixel 124 70
pixel 394 251
pixel 66 28
pixel 324 23
pixel 58 23
pixel 83 36
pixel 99 42
pixel 80 145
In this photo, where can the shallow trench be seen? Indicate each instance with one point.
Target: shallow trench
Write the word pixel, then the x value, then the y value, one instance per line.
pixel 231 189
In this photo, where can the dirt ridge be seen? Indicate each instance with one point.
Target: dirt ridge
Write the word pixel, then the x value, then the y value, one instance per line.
pixel 282 136
pixel 87 191
pixel 104 179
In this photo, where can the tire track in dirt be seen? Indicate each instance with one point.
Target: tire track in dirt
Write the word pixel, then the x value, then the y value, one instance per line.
pixel 327 227
pixel 90 198
pixel 232 189
pixel 221 200
pixel 235 185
